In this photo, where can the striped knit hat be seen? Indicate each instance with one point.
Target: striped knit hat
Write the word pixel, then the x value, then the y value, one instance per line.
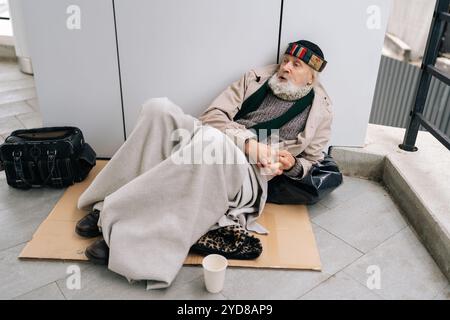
pixel 309 52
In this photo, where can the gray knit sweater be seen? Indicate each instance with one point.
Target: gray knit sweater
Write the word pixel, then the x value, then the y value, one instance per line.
pixel 273 107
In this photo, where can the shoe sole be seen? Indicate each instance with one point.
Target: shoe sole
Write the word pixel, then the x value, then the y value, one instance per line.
pixel 96 260
pixel 87 234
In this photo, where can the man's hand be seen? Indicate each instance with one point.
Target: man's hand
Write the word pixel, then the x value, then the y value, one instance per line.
pixel 273 161
pixel 261 154
pixel 273 169
pixel 286 159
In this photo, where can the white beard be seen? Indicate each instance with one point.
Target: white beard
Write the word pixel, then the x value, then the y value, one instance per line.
pixel 287 90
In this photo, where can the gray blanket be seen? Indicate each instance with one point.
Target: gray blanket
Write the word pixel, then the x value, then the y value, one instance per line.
pixel 154 207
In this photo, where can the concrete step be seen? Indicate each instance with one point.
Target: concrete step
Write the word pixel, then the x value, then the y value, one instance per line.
pixel 418 182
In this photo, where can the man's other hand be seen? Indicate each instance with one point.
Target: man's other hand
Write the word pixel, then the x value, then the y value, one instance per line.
pixel 286 159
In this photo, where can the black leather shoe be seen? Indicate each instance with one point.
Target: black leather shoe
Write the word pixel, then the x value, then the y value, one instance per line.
pixel 87 227
pixel 98 252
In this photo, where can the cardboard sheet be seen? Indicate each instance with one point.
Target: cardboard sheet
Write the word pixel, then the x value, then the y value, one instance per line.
pixel 290 244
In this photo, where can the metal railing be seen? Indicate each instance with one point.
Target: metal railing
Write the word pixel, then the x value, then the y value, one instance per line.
pixel 395 92
pixel 441 17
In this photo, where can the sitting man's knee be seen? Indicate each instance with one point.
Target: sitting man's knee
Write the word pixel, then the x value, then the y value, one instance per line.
pixel 157 107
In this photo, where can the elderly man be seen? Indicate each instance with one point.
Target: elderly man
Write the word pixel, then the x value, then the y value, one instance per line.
pixel 151 209
pixel 284 97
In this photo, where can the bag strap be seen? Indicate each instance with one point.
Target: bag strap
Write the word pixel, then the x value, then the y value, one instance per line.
pixel 56 179
pixel 19 169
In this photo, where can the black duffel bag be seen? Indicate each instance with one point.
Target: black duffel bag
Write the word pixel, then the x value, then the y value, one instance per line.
pixel 322 178
pixel 52 156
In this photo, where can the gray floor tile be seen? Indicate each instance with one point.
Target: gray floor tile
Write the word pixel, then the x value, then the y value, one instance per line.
pixel 15 108
pixel 188 274
pixel 335 254
pixel 187 290
pixel 443 294
pixel 16 84
pixel 22 211
pixel 7 66
pixel 31 120
pixel 34 104
pixel 14 233
pixel 364 221
pixel 97 282
pixel 13 75
pixel 9 71
pixel 194 290
pixel 22 276
pixel 244 283
pixel 48 292
pixel 12 198
pixel 9 124
pixel 407 271
pixel 340 287
pixel 348 190
pixel 6 51
pixel 316 210
pixel 17 95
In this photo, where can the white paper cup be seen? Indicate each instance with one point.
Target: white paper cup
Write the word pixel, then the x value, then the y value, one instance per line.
pixel 214 267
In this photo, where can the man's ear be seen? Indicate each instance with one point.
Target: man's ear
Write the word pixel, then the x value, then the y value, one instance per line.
pixel 311 79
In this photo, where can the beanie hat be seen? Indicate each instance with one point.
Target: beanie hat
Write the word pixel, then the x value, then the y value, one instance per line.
pixel 308 52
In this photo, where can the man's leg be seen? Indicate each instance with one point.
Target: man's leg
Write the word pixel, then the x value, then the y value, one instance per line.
pixel 149 144
pixel 150 223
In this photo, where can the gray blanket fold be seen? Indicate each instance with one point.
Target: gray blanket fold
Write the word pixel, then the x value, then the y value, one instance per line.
pixel 153 208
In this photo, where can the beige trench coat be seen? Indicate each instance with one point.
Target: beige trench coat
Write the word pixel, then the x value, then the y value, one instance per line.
pixel 309 144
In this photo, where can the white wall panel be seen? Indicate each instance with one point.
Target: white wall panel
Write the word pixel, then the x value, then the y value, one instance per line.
pixel 76 70
pixel 189 51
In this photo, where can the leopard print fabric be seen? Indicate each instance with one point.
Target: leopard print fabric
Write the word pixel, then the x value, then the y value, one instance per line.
pixel 233 242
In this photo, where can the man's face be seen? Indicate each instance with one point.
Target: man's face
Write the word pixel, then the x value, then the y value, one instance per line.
pixel 294 70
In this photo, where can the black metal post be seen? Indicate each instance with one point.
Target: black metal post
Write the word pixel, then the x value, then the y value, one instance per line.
pixel 429 59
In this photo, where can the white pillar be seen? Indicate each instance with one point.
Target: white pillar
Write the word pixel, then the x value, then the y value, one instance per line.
pixel 20 42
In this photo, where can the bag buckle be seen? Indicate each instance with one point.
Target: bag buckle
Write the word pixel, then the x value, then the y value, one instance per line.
pixel 51 153
pixel 16 154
